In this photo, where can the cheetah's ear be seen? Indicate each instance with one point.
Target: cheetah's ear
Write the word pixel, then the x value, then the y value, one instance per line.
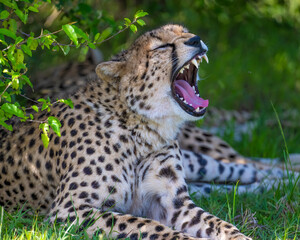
pixel 110 71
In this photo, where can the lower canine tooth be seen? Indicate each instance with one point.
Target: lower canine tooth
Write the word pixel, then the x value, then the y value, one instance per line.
pixel 205 57
pixel 197 109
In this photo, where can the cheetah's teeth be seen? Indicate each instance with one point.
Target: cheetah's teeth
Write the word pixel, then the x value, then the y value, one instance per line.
pixel 197 109
pixel 205 57
pixel 195 62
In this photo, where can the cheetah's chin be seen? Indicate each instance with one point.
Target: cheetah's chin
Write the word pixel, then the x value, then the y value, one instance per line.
pixel 185 90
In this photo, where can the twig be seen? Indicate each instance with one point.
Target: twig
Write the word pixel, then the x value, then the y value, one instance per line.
pixel 120 31
pixel 26 34
pixel 36 121
pixel 5 90
pixel 24 41
pixel 32 100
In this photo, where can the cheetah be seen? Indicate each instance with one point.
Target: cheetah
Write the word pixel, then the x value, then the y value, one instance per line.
pixel 118 163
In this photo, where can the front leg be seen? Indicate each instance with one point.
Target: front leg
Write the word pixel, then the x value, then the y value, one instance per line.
pixel 164 197
pixel 90 205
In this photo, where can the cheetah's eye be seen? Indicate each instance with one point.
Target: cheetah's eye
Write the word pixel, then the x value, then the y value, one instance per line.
pixel 163 47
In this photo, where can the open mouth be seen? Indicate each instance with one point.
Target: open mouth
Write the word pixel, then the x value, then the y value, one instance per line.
pixel 185 90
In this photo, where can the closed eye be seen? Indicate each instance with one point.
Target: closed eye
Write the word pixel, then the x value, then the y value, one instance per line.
pixel 163 47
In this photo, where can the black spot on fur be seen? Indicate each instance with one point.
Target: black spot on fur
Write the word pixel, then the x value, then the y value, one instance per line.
pixel 168 172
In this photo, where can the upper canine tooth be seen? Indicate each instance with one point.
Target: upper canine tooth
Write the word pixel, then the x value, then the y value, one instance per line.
pixel 187 66
pixel 205 57
pixel 195 62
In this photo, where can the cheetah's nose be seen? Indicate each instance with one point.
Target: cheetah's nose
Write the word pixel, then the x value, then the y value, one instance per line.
pixel 197 42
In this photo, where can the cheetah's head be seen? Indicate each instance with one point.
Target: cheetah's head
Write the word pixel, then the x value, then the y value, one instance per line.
pixel 157 75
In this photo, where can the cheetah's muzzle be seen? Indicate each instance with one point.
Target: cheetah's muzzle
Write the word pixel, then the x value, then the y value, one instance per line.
pixel 185 89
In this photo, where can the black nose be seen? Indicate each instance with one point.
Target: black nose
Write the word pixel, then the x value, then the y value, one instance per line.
pixel 194 42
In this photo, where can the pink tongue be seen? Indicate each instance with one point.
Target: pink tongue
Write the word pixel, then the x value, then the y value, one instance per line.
pixel 187 92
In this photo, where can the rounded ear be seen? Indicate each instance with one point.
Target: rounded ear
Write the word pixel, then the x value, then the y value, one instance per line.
pixel 110 71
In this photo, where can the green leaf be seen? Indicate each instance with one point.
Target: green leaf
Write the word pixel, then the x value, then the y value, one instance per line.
pixel 91 45
pixel 140 13
pixel 4 14
pixel 15 82
pixel 4 124
pixel 42 100
pixel 33 9
pixel 31 116
pixel 45 139
pixel 7 96
pixel 19 55
pixel 65 49
pixel 69 30
pixel 55 48
pixel 44 106
pixel 44 127
pixel 18 40
pixel 21 15
pixel 10 4
pixel 35 108
pixel 13 26
pixel 27 80
pixel 141 22
pixel 13 109
pixel 32 43
pixel 133 28
pixel 127 21
pixel 55 124
pixel 10 54
pixel 8 33
pixel 105 33
pixel 67 101
pixel 96 37
pixel 26 50
pixel 80 33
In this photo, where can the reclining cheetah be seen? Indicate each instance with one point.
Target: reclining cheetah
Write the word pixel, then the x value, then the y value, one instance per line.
pixel 118 159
